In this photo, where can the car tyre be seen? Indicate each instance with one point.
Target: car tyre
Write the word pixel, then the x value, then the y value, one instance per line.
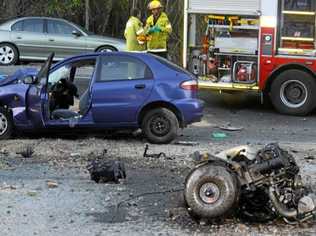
pixel 292 92
pixel 6 124
pixel 211 191
pixel 160 126
pixel 8 54
pixel 106 49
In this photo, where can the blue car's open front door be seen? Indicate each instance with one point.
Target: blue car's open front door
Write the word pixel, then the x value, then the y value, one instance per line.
pixel 37 97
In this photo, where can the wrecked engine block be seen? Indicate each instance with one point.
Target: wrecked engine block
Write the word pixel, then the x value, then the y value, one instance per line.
pixel 257 185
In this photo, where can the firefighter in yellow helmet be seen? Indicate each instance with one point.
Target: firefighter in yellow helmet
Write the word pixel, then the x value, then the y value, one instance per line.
pixel 158 29
pixel 134 32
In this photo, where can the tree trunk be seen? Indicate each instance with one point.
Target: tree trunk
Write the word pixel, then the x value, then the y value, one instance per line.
pixel 87 9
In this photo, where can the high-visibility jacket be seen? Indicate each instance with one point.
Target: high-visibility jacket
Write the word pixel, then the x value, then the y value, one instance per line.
pixel 134 28
pixel 158 41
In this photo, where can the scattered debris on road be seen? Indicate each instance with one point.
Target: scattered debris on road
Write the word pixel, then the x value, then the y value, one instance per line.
pixel 74 154
pixel 102 171
pixel 146 155
pixel 186 143
pixel 32 193
pixel 219 135
pixel 264 185
pixel 229 127
pixel 26 151
pixel 309 158
pixel 7 187
pixel 51 184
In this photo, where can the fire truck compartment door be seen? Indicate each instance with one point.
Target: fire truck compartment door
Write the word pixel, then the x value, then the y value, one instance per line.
pixel 237 45
pixel 231 7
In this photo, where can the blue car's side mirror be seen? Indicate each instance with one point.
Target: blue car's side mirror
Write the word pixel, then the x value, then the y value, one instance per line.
pixel 29 80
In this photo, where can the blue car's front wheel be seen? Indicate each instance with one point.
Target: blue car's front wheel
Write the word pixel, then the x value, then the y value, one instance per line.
pixel 160 126
pixel 5 124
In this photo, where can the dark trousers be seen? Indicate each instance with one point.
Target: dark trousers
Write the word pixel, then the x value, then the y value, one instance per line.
pixel 161 54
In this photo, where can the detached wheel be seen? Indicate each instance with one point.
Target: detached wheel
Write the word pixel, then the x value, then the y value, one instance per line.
pixel 8 54
pixel 292 92
pixel 160 126
pixel 211 191
pixel 5 124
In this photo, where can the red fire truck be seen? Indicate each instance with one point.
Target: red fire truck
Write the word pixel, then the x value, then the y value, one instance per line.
pixel 267 46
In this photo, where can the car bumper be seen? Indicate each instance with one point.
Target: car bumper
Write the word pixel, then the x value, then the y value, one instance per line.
pixel 191 110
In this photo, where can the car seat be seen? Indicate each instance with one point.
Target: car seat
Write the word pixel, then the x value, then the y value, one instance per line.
pixel 68 114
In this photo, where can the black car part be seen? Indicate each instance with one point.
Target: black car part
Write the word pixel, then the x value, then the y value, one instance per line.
pixel 161 154
pixel 106 171
pixel 26 151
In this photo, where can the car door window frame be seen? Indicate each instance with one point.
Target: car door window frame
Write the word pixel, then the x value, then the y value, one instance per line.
pixel 57 67
pixel 99 69
pixel 18 22
pixel 39 19
pixel 53 21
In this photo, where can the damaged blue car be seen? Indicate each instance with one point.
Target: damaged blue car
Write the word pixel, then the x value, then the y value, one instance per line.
pixel 101 91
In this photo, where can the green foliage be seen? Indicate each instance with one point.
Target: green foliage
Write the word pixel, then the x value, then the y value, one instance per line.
pixel 61 7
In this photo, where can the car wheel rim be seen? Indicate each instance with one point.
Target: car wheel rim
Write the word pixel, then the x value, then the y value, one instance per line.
pixel 6 54
pixel 106 50
pixel 209 193
pixel 3 124
pixel 293 93
pixel 160 126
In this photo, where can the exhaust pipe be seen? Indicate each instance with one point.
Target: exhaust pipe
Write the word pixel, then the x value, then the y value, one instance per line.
pixel 282 210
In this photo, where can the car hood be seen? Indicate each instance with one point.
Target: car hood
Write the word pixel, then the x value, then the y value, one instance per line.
pixel 19 74
pixel 120 44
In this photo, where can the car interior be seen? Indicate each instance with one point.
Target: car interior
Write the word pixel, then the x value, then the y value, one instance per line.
pixel 68 89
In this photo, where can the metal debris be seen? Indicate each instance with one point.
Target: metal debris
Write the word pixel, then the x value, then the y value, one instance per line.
pixel 186 143
pixel 52 184
pixel 106 171
pixel 259 186
pixel 231 128
pixel 161 154
pixel 26 152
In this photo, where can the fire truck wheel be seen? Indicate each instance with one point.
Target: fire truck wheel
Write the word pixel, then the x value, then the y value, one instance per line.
pixel 292 92
pixel 211 191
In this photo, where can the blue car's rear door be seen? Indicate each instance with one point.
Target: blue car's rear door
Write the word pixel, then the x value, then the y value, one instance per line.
pixel 122 85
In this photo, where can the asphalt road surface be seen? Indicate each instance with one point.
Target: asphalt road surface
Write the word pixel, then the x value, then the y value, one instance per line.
pixel 150 201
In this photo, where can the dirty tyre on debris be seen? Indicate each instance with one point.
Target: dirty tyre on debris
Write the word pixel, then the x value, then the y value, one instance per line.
pixel 211 191
pixel 8 54
pixel 292 92
pixel 5 124
pixel 160 126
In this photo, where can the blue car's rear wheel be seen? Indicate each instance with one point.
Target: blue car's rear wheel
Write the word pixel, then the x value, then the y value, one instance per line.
pixel 160 126
pixel 5 124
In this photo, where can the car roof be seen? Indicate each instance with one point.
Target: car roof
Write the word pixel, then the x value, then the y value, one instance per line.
pixel 96 54
pixel 36 17
pixel 7 25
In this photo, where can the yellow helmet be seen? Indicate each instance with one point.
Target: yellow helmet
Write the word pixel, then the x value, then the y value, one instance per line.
pixel 154 5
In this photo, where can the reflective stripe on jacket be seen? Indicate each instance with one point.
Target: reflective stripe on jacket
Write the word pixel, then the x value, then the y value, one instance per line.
pixel 158 41
pixel 134 28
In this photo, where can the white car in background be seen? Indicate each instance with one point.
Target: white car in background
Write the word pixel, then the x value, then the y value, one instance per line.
pixel 33 38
